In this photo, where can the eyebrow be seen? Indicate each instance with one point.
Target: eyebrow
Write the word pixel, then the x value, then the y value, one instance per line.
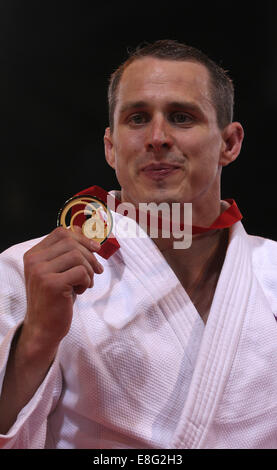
pixel 132 105
pixel 188 105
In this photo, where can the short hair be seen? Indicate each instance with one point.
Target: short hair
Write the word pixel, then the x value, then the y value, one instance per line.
pixel 222 89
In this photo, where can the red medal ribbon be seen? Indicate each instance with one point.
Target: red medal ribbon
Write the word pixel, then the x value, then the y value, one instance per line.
pixel 226 219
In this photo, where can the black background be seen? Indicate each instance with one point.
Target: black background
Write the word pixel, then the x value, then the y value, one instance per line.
pixel 56 59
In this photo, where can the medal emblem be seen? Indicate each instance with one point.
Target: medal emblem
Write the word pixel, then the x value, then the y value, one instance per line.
pixel 90 214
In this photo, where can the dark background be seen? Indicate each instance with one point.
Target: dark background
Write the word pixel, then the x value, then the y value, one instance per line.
pixel 56 58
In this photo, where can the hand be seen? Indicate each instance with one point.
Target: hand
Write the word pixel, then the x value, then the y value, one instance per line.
pixel 57 269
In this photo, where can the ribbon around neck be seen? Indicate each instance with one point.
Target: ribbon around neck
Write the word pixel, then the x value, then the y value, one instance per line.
pixel 226 219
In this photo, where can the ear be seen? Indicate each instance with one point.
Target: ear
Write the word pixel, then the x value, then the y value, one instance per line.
pixel 232 137
pixel 109 148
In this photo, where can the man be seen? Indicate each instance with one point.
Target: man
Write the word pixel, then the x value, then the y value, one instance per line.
pixel 164 348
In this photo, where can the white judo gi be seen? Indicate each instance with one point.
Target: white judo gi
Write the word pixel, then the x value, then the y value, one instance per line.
pixel 138 368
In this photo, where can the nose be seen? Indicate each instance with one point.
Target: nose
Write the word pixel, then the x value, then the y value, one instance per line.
pixel 158 135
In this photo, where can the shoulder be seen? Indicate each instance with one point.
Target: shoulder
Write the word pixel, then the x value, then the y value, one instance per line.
pixel 264 251
pixel 21 247
pixel 12 258
pixel 264 258
pixel 12 285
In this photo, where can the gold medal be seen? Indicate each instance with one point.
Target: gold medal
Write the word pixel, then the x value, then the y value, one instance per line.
pixel 90 214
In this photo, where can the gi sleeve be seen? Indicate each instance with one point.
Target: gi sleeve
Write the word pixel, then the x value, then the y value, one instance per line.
pixel 30 428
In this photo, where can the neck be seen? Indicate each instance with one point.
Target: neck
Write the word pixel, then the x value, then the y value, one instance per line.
pixel 203 249
pixel 196 260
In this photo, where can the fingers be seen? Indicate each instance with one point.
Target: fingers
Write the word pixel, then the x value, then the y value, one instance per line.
pixel 61 251
pixel 73 258
pixel 62 234
pixel 73 281
pixel 61 254
pixel 62 241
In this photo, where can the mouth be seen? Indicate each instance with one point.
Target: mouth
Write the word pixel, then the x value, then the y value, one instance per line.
pixel 158 171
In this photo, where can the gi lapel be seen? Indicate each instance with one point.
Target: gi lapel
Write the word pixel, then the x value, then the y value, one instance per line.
pixel 231 303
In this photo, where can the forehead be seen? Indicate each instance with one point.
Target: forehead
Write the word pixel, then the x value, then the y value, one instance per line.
pixel 158 79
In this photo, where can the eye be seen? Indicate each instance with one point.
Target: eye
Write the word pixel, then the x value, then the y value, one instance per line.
pixel 137 118
pixel 180 118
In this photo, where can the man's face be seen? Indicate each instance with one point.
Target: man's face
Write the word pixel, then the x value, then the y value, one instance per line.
pixel 166 144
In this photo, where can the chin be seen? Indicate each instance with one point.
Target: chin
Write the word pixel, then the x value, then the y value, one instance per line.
pixel 159 197
pixel 155 194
